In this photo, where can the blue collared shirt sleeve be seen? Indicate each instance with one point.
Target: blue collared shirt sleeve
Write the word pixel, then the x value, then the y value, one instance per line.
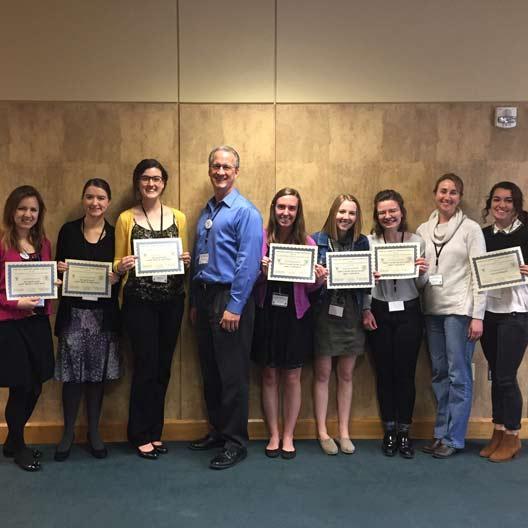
pixel 247 266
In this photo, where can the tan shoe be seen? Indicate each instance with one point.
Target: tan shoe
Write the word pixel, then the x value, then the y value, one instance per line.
pixel 508 449
pixel 328 446
pixel 346 445
pixel 492 445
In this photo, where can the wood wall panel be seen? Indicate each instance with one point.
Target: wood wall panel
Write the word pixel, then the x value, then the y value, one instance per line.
pixel 320 149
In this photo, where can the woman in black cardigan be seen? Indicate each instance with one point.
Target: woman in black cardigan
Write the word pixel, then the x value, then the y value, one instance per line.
pixel 87 327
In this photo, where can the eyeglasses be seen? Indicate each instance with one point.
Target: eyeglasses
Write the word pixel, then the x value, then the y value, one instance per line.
pixel 147 179
pixel 218 166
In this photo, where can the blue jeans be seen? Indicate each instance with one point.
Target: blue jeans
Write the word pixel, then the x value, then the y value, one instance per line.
pixel 451 353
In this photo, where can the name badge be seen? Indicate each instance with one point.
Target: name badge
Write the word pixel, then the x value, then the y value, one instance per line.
pixel 159 278
pixel 203 259
pixel 279 299
pixel 436 280
pixel 396 306
pixel 89 298
pixel 40 303
pixel 336 310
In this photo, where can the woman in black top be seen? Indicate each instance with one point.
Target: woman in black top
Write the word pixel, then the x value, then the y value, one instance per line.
pixel 87 328
pixel 505 335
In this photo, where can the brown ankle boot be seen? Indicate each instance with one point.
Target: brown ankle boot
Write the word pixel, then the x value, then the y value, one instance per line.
pixel 509 447
pixel 493 443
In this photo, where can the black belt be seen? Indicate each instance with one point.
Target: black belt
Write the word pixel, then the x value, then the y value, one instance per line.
pixel 210 286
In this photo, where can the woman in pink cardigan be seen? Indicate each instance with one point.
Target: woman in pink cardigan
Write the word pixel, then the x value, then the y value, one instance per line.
pixel 283 325
pixel 25 334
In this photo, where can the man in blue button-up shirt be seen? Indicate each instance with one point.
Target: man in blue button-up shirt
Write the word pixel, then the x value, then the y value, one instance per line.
pixel 225 265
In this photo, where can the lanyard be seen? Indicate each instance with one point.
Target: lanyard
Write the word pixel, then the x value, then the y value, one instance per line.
pixel 385 240
pixel 148 221
pixel 85 242
pixel 438 250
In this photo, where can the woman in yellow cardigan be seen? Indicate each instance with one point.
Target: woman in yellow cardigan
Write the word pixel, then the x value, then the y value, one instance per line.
pixel 152 306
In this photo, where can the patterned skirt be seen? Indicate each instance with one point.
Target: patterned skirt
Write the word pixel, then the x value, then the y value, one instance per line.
pixel 87 353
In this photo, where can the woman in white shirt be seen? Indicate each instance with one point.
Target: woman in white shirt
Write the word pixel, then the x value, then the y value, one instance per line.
pixel 505 334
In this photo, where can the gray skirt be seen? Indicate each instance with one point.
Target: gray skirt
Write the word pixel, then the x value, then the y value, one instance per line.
pixel 86 353
pixel 338 336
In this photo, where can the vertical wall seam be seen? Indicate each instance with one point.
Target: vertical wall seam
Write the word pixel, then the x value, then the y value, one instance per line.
pixel 275 90
pixel 178 59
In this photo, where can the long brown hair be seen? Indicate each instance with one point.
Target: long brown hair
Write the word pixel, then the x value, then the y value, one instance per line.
pixel 299 234
pixel 330 227
pixel 395 196
pixel 36 233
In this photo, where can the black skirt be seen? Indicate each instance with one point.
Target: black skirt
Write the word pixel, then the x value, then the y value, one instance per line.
pixel 280 339
pixel 26 351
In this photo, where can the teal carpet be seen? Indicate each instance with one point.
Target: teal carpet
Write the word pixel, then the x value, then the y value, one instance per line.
pixel 314 490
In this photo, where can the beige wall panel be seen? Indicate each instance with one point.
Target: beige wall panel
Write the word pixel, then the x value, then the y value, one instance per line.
pixel 57 147
pixel 90 51
pixel 227 51
pixel 249 129
pixel 375 51
pixel 408 147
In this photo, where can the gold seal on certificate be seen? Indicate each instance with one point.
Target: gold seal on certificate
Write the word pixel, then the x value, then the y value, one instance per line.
pixel 498 269
pixel 349 269
pixel 87 278
pixel 396 261
pixel 293 263
pixel 31 279
pixel 158 256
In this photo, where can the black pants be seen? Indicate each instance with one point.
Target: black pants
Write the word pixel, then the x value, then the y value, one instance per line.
pixel 395 346
pixel 504 341
pixel 153 330
pixel 224 359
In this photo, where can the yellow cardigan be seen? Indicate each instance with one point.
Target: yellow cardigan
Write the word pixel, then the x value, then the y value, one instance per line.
pixel 123 233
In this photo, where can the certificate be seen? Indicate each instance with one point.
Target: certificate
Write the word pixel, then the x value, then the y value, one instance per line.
pixel 396 261
pixel 349 269
pixel 86 278
pixel 290 262
pixel 498 269
pixel 31 279
pixel 158 256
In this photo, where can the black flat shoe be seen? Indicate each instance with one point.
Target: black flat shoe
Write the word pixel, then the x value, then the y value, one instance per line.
pixel 61 456
pixel 149 455
pixel 228 457
pixel 207 442
pixel 405 446
pixel 96 453
pixel 8 453
pixel 390 443
pixel 24 460
pixel 162 449
pixel 272 453
pixel 288 455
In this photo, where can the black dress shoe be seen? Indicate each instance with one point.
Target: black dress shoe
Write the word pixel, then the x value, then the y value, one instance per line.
pixel 390 443
pixel 24 459
pixel 162 449
pixel 228 457
pixel 288 455
pixel 149 455
pixel 405 446
pixel 8 453
pixel 207 442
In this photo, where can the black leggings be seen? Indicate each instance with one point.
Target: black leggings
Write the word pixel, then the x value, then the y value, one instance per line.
pixel 395 346
pixel 504 341
pixel 19 408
